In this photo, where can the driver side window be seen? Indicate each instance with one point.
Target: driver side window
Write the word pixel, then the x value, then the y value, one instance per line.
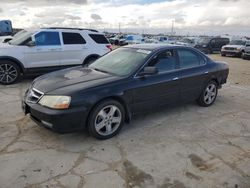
pixel 165 61
pixel 47 38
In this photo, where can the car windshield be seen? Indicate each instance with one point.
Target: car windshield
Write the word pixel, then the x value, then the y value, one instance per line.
pixel 204 40
pixel 186 40
pixel 21 37
pixel 121 62
pixel 238 42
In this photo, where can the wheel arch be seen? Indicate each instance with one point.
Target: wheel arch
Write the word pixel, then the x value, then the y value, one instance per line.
pixel 90 56
pixel 116 98
pixel 14 60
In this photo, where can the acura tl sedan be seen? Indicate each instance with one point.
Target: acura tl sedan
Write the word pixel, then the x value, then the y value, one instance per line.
pixel 121 84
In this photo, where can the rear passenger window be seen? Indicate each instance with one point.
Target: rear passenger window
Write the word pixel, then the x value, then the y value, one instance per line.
pixel 165 61
pixel 73 38
pixel 189 59
pixel 100 39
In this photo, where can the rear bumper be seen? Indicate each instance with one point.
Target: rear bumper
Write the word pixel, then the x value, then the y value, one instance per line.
pixel 61 121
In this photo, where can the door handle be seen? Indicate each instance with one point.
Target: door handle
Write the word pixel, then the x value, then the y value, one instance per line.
pixel 176 78
pixel 206 72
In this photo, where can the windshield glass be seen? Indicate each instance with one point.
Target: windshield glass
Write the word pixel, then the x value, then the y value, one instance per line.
pixel 204 41
pixel 237 42
pixel 21 37
pixel 121 62
pixel 186 40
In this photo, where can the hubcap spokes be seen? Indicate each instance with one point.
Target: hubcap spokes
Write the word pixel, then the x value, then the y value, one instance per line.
pixel 210 94
pixel 8 73
pixel 108 120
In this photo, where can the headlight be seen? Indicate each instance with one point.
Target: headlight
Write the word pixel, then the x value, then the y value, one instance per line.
pixel 238 49
pixel 204 46
pixel 55 102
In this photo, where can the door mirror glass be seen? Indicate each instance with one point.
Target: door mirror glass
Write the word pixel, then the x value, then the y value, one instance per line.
pixel 148 71
pixel 31 43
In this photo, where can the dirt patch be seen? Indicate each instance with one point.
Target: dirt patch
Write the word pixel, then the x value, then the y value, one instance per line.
pixel 135 176
pixel 175 184
pixel 199 162
pixel 193 176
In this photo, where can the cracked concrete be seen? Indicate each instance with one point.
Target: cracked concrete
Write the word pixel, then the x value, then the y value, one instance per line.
pixel 182 146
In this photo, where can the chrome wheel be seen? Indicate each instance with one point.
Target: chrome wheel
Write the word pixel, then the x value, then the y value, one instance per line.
pixel 108 120
pixel 8 73
pixel 210 94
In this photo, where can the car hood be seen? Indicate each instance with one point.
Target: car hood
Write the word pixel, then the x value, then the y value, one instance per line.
pixel 5 46
pixel 233 46
pixel 75 78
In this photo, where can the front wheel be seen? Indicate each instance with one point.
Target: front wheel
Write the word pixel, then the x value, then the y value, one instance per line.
pixel 9 72
pixel 209 94
pixel 106 119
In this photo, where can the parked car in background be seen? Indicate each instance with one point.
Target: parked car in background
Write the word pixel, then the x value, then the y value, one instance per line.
pixel 117 40
pixel 246 51
pixel 234 48
pixel 189 42
pixel 49 49
pixel 134 39
pixel 211 44
pixel 4 39
pixel 128 81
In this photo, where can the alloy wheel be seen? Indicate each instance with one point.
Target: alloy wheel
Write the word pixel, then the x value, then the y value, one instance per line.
pixel 108 120
pixel 8 73
pixel 210 94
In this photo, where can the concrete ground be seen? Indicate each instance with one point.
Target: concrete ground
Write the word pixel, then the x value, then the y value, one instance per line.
pixel 178 147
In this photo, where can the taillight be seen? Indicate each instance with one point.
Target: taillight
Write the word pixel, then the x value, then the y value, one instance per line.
pixel 109 46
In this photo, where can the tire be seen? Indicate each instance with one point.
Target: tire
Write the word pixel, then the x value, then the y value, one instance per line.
pixel 110 123
pixel 89 60
pixel 209 94
pixel 243 55
pixel 223 55
pixel 9 72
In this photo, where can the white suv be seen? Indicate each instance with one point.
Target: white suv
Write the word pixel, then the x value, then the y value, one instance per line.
pixel 49 49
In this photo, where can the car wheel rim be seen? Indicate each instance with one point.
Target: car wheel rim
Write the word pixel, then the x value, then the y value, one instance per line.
pixel 210 94
pixel 8 73
pixel 108 120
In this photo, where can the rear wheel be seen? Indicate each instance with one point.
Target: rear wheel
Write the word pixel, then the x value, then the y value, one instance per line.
pixel 209 94
pixel 9 72
pixel 106 119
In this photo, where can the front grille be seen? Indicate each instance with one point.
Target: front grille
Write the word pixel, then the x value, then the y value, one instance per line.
pixel 33 95
pixel 228 48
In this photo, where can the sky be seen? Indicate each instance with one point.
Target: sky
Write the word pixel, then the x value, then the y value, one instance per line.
pixel 192 17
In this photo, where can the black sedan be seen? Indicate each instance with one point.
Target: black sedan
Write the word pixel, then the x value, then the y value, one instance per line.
pixel 123 83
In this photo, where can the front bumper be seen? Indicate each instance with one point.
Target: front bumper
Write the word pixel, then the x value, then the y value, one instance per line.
pixel 61 121
pixel 231 53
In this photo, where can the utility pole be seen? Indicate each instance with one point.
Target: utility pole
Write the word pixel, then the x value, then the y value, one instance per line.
pixel 172 30
pixel 119 27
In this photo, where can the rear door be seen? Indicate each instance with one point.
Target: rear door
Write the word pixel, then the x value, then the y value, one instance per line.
pixel 46 52
pixel 193 74
pixel 74 48
pixel 159 89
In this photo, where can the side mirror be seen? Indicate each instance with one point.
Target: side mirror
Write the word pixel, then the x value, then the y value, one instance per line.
pixel 31 43
pixel 148 71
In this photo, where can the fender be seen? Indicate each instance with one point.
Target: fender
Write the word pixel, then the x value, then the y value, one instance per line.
pixel 23 69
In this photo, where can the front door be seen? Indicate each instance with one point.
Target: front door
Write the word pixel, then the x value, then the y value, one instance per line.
pixel 159 89
pixel 46 52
